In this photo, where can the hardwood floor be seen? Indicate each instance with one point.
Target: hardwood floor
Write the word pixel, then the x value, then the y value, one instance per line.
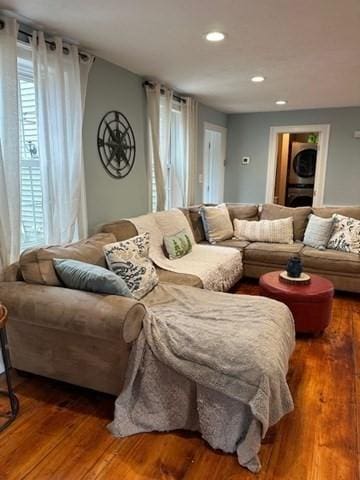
pixel 61 430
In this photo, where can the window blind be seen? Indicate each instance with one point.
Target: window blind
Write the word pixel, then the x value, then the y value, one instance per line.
pixel 32 217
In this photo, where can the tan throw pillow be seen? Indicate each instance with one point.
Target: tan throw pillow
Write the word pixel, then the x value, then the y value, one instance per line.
pixel 300 215
pixel 217 223
pixel 272 231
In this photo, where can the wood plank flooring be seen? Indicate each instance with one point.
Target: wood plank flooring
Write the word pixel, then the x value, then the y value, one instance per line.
pixel 61 433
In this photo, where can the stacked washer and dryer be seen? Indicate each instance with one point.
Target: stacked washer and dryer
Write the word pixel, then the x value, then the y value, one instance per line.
pixel 301 174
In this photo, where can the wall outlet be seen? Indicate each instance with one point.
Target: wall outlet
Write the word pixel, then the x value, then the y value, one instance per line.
pixel 201 178
pixel 357 134
pixel 245 160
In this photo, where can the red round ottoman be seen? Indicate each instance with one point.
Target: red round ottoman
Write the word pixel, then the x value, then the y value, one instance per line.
pixel 310 305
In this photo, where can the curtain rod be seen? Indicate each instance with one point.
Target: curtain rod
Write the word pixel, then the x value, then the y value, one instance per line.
pixel 52 44
pixel 162 90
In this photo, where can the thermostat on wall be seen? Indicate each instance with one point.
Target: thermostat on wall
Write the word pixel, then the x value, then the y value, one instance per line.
pixel 245 160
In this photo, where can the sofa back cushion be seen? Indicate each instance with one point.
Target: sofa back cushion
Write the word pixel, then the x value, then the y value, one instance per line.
pixel 217 223
pixel 318 232
pixel 300 215
pixel 122 229
pixel 36 264
pixel 243 211
pixel 327 212
pixel 194 218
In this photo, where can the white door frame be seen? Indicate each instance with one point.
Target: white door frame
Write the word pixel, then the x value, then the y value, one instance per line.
pixel 223 131
pixel 321 160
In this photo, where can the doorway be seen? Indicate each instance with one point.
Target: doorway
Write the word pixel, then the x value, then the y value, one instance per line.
pixel 214 163
pixel 297 165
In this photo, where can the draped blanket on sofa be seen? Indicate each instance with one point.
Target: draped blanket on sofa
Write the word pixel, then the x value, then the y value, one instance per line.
pixel 219 268
pixel 209 362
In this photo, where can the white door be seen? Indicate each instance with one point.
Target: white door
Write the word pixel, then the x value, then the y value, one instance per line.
pixel 214 163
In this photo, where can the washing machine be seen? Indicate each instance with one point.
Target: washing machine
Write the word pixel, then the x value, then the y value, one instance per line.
pixel 301 196
pixel 302 164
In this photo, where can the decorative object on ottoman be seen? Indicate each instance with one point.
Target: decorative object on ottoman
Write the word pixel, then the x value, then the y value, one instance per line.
pixel 294 267
pixel 303 279
pixel 14 403
pixel 311 305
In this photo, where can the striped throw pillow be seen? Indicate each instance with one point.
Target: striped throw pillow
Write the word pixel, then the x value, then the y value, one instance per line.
pixel 272 231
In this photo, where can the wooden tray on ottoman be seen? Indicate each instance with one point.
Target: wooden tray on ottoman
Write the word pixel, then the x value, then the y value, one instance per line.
pixel 304 279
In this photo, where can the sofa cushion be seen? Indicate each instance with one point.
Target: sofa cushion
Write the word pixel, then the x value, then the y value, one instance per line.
pixel 194 218
pixel 326 212
pixel 271 253
pixel 90 278
pixel 243 211
pixel 272 231
pixel 232 242
pixel 217 223
pixel 36 264
pixel 300 215
pixel 177 245
pixel 130 260
pixel 330 261
pixel 345 235
pixel 318 232
pixel 122 229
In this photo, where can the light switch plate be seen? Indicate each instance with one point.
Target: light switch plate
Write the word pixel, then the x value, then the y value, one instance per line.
pixel 357 134
pixel 245 160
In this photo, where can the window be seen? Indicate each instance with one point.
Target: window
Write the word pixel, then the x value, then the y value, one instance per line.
pixel 32 215
pixel 174 171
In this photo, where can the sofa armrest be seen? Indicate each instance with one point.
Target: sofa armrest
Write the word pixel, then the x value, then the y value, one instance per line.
pixel 91 314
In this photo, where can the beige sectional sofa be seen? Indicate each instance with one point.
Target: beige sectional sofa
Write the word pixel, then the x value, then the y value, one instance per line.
pixel 342 268
pixel 84 338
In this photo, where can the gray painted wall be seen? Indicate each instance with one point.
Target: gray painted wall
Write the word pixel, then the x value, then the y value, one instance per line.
pixel 206 114
pixel 248 134
pixel 113 88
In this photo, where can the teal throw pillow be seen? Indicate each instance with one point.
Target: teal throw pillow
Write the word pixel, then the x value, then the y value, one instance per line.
pixel 177 245
pixel 91 278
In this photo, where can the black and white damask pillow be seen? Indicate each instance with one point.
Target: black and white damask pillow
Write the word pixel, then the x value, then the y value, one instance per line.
pixel 130 260
pixel 345 235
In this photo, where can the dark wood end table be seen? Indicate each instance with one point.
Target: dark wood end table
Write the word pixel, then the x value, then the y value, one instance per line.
pixel 14 402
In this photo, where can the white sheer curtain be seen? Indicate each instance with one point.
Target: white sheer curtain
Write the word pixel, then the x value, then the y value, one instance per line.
pixel 191 121
pixel 172 147
pixel 9 147
pixel 159 103
pixel 60 83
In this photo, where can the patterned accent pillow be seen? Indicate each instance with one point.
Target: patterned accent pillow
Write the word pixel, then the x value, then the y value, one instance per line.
pixel 177 245
pixel 318 231
pixel 272 231
pixel 345 235
pixel 130 260
pixel 217 223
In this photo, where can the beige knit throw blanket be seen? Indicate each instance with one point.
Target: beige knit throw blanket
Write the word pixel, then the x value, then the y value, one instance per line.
pixel 218 267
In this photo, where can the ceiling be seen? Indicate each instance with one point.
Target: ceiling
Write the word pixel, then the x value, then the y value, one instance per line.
pixel 308 50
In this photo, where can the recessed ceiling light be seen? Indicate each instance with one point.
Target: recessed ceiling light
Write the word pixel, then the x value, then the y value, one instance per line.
pixel 281 102
pixel 215 36
pixel 258 79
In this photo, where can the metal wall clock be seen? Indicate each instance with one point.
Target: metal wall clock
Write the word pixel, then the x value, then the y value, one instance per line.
pixel 116 144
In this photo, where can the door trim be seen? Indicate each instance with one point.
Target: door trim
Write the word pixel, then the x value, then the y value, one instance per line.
pixel 321 161
pixel 223 131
